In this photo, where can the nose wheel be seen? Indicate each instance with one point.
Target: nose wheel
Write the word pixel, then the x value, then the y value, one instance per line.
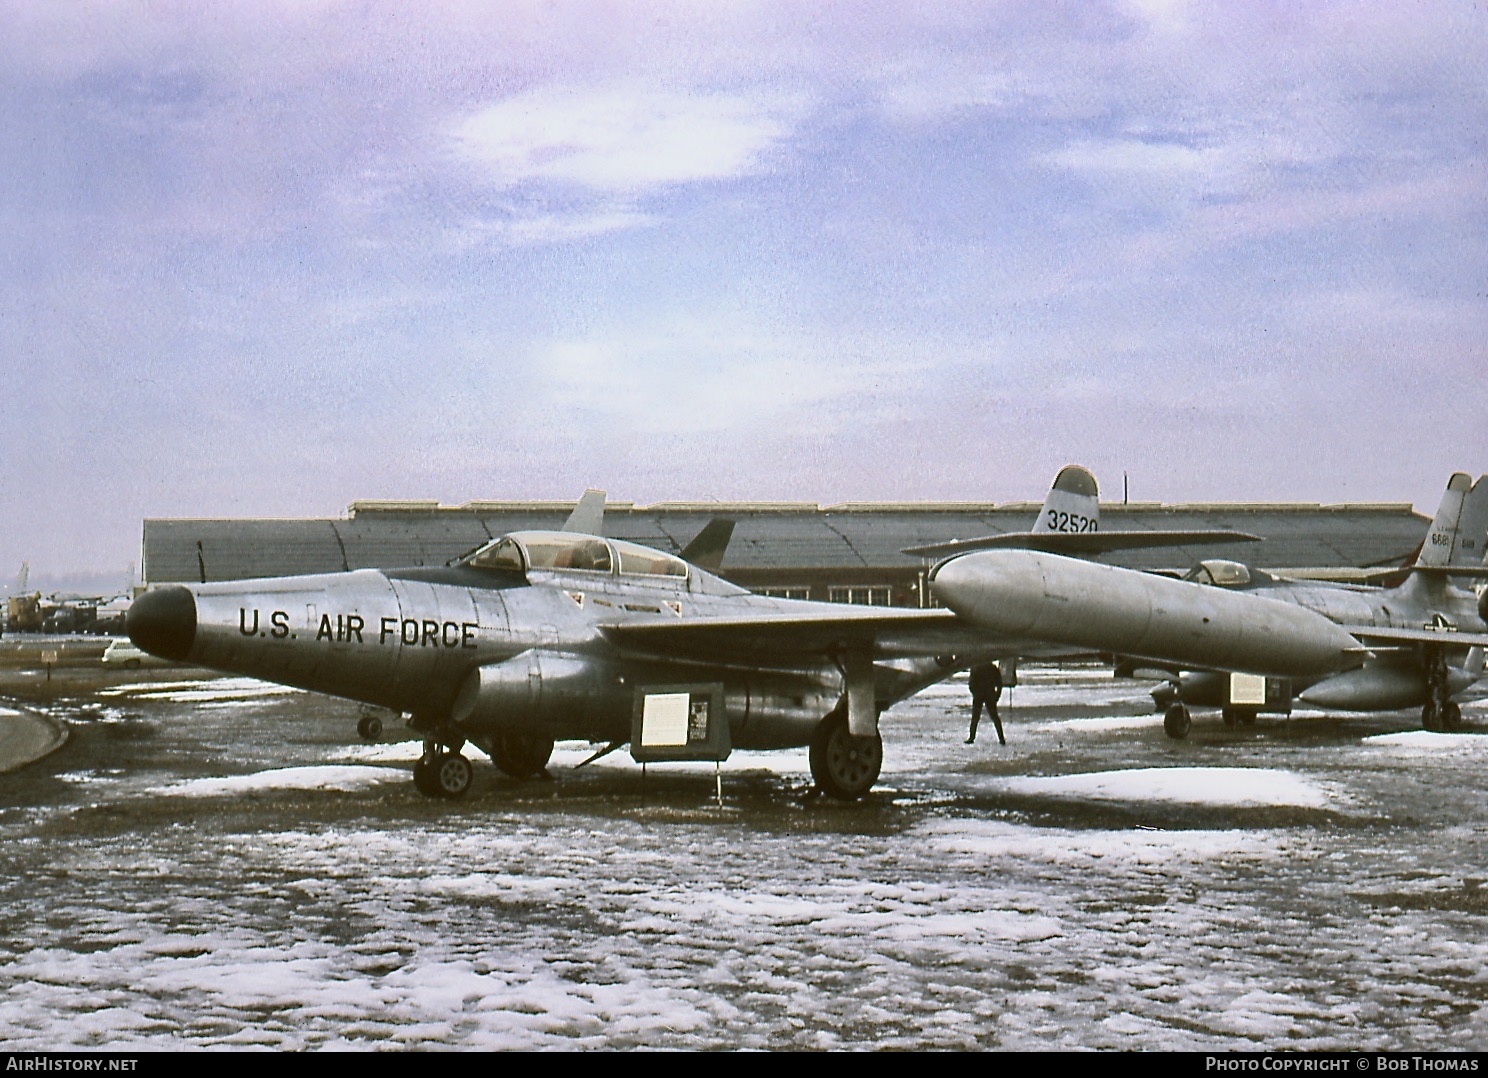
pixel 442 772
pixel 1176 722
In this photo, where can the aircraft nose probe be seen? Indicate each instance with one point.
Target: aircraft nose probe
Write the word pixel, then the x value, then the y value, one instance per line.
pixel 163 622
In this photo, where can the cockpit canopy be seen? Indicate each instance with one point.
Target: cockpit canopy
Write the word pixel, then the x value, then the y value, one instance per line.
pixel 522 551
pixel 1221 574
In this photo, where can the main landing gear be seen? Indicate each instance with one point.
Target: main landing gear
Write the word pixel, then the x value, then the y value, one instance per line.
pixel 844 767
pixel 1238 716
pixel 522 756
pixel 1439 712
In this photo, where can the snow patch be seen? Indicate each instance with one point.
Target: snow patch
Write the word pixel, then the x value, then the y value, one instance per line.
pixel 344 778
pixel 1189 785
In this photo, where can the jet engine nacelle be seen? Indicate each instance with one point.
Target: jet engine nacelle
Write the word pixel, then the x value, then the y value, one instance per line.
pixel 1210 688
pixel 550 693
pixel 1378 687
pixel 573 696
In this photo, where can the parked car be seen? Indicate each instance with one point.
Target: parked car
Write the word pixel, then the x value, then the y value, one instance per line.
pixel 123 653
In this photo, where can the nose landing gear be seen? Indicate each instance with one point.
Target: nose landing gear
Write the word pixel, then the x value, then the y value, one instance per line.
pixel 442 772
pixel 1176 722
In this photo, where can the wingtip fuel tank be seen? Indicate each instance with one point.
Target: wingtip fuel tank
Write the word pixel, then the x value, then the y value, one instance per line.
pixel 1047 597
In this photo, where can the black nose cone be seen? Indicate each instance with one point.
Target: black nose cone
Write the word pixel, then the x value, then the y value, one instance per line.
pixel 163 622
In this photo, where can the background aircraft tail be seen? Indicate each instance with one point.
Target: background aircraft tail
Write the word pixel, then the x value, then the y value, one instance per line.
pixel 1459 531
pixel 1069 524
pixel 1072 506
pixel 588 515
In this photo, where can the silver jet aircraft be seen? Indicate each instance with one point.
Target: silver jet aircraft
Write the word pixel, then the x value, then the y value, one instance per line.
pixel 566 635
pixel 1352 647
pixel 1425 635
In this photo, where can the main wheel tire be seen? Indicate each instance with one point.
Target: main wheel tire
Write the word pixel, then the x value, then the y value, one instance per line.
pixel 1451 715
pixel 522 756
pixel 423 778
pixel 844 766
pixel 452 775
pixel 1176 722
pixel 1247 716
pixel 1429 717
pixel 1230 716
pixel 369 727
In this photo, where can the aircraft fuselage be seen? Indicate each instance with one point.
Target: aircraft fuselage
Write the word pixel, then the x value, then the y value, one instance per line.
pixel 485 651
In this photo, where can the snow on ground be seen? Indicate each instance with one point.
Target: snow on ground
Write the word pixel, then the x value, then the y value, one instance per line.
pixel 1093 726
pixel 212 689
pixel 555 930
pixel 1257 786
pixel 990 839
pixel 330 777
pixel 607 923
pixel 1426 741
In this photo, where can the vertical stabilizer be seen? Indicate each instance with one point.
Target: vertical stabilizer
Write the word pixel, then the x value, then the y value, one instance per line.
pixel 1073 504
pixel 708 547
pixel 588 515
pixel 1473 663
pixel 1457 533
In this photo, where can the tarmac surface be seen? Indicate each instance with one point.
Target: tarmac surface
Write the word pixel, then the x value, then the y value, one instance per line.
pixel 215 862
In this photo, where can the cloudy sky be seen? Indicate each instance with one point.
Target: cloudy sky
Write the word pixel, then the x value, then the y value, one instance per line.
pixel 270 259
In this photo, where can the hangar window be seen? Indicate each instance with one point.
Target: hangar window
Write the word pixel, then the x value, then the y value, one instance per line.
pixel 863 596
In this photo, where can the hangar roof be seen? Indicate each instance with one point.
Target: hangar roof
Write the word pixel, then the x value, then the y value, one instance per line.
pixel 767 535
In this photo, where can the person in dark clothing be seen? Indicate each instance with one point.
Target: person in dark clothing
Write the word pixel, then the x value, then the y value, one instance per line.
pixel 985 680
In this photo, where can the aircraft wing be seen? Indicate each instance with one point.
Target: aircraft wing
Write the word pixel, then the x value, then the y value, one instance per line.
pixel 1342 574
pixel 892 633
pixel 1384 635
pixel 1476 572
pixel 1076 543
pixel 1387 576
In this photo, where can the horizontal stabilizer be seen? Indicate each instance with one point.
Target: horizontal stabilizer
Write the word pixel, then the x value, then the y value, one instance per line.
pixel 1479 572
pixel 1076 543
pixel 1386 635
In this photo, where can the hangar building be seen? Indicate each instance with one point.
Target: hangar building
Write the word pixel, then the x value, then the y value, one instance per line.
pixel 846 553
